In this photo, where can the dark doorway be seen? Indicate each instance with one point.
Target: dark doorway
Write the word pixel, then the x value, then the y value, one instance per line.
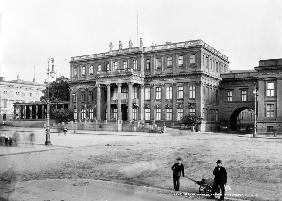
pixel 124 112
pixel 242 119
pixel 4 117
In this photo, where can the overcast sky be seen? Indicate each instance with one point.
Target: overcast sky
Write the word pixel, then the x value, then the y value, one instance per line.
pixel 33 30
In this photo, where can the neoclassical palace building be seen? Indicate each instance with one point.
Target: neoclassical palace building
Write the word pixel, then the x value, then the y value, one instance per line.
pixel 159 83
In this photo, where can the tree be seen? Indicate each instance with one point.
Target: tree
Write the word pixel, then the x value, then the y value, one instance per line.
pixel 59 90
pixel 62 115
pixel 191 120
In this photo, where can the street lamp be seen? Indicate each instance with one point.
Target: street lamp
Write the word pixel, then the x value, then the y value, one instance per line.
pixel 255 116
pixel 50 72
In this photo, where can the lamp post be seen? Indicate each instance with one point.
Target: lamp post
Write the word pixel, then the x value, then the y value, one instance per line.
pixel 255 116
pixel 50 72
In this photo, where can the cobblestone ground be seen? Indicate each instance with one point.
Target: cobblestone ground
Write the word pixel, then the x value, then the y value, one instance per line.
pixel 254 165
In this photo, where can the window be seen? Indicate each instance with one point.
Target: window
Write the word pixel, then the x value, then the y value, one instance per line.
pixel 192 92
pixel 192 111
pixel 216 115
pixel 135 64
pixel 207 62
pixel 73 97
pixel 75 113
pixel 158 93
pixel 82 113
pixel 270 110
pixel 124 64
pixel 147 93
pixel 269 129
pixel 147 114
pixel 83 71
pixel 158 63
pixel 91 113
pixel 169 92
pixel 115 113
pixel 5 92
pixel 23 94
pixel 99 68
pixel 75 71
pixel 107 67
pixel 169 62
pixel 243 95
pixel 169 114
pixel 270 91
pixel 179 114
pixel 158 114
pixel 135 90
pixel 229 96
pixel 180 60
pixel 115 66
pixel 192 59
pixel 216 65
pixel 135 114
pixel 90 96
pixel 83 97
pixel 5 102
pixel 124 92
pixel 180 92
pixel 91 70
pixel 148 64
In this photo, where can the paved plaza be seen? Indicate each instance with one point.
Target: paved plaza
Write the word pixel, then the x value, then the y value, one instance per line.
pixel 79 165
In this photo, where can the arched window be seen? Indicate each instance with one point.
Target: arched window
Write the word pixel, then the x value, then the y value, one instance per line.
pixel 91 70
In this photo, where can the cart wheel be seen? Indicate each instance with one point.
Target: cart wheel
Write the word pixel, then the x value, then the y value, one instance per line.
pixel 202 189
pixel 205 189
pixel 208 189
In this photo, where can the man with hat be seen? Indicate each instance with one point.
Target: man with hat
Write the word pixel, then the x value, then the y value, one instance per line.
pixel 220 179
pixel 177 168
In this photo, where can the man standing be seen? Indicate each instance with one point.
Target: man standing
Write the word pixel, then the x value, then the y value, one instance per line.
pixel 177 168
pixel 220 179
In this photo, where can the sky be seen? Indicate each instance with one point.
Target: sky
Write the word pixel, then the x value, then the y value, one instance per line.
pixel 34 30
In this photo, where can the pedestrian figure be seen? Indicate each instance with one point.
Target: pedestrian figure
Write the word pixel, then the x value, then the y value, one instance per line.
pixel 220 179
pixel 31 138
pixel 177 169
pixel 65 129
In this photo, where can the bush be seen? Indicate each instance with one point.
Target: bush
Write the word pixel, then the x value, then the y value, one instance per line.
pixel 191 120
pixel 62 115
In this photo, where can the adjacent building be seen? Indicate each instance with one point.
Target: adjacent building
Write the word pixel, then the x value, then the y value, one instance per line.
pixel 17 91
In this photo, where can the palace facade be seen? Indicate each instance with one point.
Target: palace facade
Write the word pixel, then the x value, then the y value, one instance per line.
pixel 159 83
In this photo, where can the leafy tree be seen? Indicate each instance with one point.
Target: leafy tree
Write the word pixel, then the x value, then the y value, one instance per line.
pixel 62 115
pixel 59 90
pixel 191 120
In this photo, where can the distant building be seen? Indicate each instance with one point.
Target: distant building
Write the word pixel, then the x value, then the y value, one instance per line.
pixel 17 91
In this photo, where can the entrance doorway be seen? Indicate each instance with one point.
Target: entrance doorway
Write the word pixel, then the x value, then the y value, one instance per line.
pixel 242 119
pixel 124 110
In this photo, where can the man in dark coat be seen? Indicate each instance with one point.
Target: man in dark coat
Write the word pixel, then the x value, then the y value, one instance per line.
pixel 220 179
pixel 177 169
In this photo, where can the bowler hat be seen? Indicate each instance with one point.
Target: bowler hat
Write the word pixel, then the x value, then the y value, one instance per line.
pixel 218 161
pixel 178 158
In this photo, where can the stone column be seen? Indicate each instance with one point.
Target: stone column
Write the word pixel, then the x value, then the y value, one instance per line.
pixel 26 108
pixel 130 97
pixel 108 102
pixel 98 109
pixel 119 102
pixel 36 111
pixel 141 104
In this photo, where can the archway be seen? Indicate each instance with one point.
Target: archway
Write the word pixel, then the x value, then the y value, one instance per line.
pixel 242 119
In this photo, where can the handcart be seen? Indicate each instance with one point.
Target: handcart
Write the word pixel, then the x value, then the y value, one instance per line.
pixel 205 185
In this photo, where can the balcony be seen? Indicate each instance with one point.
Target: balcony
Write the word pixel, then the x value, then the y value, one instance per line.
pixel 119 72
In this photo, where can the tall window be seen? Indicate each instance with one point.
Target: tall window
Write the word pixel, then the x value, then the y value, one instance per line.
pixel 169 92
pixel 158 63
pixel 216 115
pixel 148 64
pixel 169 114
pixel 99 69
pixel 91 113
pixel 192 59
pixel 135 64
pixel 158 93
pixel 5 102
pixel 179 114
pixel 75 71
pixel 158 114
pixel 90 96
pixel 270 110
pixel 83 71
pixel 147 93
pixel 83 98
pixel 180 92
pixel 73 97
pixel 180 60
pixel 192 92
pixel 169 62
pixel 124 92
pixel 192 111
pixel 270 90
pixel 75 113
pixel 229 96
pixel 91 70
pixel 135 90
pixel 115 66
pixel 115 114
pixel 107 67
pixel 147 114
pixel 124 64
pixel 134 114
pixel 243 95
pixel 82 112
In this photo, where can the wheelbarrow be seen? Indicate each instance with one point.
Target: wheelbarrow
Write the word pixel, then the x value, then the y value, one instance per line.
pixel 205 185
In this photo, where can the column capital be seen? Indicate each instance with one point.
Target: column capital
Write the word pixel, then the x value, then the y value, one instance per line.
pixel 130 83
pixel 98 85
pixel 119 84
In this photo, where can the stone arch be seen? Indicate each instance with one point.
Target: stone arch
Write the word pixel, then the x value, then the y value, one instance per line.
pixel 234 115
